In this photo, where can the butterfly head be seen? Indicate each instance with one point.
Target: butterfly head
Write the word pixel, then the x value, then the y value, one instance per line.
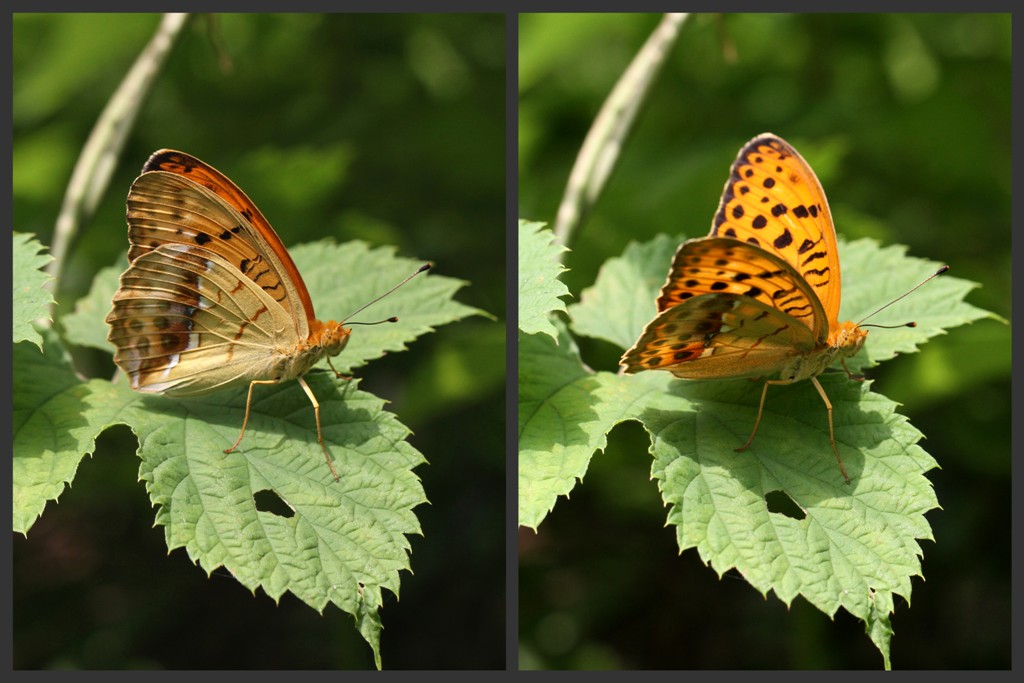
pixel 849 338
pixel 331 337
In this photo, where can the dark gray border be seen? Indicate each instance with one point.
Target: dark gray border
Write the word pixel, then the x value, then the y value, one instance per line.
pixel 511 342
pixel 7 407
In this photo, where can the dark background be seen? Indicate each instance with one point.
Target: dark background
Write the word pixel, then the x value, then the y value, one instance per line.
pixel 386 128
pixel 906 120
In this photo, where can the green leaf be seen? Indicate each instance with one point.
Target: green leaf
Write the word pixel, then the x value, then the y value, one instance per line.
pixel 324 541
pixel 539 287
pixel 622 298
pixel 86 326
pixel 342 278
pixel 343 542
pixel 874 276
pixel 56 420
pixel 852 547
pixel 847 540
pixel 565 413
pixel 31 298
pixel 779 513
pixel 879 624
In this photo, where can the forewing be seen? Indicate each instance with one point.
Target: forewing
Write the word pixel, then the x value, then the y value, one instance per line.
pixel 773 200
pixel 180 199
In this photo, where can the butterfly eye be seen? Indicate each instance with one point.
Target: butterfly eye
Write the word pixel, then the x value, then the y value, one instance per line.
pixel 339 341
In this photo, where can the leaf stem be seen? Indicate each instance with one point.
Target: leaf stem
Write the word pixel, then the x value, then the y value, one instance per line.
pixel 96 163
pixel 612 125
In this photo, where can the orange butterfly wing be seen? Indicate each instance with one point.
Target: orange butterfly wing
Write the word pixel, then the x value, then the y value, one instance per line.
pixel 774 201
pixel 165 206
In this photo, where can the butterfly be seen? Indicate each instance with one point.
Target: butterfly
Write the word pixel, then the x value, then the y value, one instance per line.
pixel 760 294
pixel 211 299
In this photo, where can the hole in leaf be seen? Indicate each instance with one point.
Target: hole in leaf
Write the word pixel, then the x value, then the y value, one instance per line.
pixel 268 501
pixel 782 504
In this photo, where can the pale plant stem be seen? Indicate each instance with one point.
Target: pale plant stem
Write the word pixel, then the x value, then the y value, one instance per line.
pixel 96 163
pixel 612 125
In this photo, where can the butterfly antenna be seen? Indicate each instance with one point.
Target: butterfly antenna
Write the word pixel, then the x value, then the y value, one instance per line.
pixel 425 266
pixel 940 271
pixel 392 319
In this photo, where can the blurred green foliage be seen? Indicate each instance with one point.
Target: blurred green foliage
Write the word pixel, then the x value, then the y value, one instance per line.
pixel 906 121
pixel 385 128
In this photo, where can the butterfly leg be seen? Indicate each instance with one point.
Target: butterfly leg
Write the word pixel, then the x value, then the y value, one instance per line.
pixel 336 373
pixel 828 406
pixel 319 436
pixel 831 431
pixel 248 402
pixel 852 375
pixel 760 410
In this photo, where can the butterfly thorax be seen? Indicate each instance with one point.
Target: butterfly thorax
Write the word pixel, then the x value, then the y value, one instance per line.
pixel 845 341
pixel 325 339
